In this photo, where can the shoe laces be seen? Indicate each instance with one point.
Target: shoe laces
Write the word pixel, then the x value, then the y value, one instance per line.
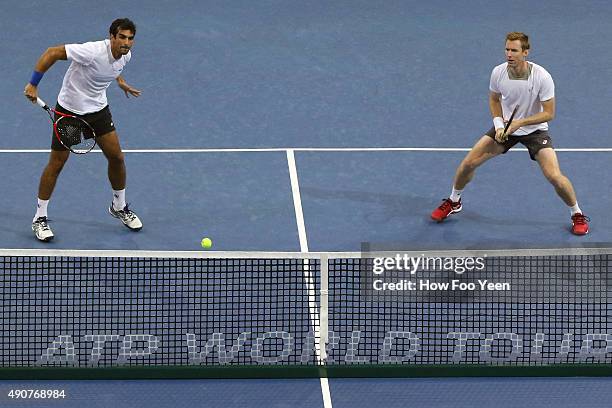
pixel 446 205
pixel 579 218
pixel 127 213
pixel 42 221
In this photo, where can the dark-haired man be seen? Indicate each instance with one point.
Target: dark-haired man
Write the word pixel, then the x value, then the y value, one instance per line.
pixel 94 66
pixel 531 87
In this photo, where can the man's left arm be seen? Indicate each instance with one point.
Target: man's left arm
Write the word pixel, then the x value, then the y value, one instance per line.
pixel 127 88
pixel 547 114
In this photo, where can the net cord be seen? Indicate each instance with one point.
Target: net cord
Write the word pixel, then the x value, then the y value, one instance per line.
pixel 298 255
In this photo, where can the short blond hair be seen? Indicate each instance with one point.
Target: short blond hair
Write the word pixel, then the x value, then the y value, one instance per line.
pixel 522 37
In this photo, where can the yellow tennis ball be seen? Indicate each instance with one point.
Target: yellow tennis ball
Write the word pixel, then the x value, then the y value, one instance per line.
pixel 206 243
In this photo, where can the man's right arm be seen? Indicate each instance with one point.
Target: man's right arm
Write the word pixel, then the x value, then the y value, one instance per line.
pixel 46 60
pixel 496 112
pixel 495 104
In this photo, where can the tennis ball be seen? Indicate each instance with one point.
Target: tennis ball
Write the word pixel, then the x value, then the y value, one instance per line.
pixel 206 243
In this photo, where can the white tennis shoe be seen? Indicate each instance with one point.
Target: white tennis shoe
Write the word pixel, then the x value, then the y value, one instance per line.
pixel 127 217
pixel 41 229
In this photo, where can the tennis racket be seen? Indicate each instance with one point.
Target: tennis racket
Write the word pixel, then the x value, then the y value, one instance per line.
pixel 72 132
pixel 510 120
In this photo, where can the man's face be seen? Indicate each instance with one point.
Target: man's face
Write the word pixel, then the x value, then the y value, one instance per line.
pixel 514 53
pixel 122 42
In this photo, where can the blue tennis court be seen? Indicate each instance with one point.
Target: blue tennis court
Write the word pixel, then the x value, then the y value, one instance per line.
pixel 439 392
pixel 312 126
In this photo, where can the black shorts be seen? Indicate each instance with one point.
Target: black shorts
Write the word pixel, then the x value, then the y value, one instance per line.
pixel 534 142
pixel 101 122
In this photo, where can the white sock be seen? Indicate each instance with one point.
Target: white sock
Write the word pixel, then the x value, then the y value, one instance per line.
pixel 41 209
pixel 575 209
pixel 119 199
pixel 455 195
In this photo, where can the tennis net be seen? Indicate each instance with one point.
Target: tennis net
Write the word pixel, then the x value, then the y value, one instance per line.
pixel 110 309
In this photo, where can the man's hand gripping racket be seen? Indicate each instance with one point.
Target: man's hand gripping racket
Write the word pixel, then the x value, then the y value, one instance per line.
pixel 73 133
pixel 503 137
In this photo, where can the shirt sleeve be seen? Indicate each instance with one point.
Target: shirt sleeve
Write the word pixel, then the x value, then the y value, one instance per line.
pixel 547 91
pixel 80 53
pixel 493 82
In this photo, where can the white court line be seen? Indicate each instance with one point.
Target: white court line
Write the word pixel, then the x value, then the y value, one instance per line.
pixel 297 201
pixel 310 283
pixel 315 149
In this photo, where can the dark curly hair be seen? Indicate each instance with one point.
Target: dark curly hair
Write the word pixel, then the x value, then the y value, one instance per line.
pixel 122 24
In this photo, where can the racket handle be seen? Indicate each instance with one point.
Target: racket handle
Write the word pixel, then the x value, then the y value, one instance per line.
pixel 41 103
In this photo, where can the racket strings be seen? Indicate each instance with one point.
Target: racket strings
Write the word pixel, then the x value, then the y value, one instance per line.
pixel 75 133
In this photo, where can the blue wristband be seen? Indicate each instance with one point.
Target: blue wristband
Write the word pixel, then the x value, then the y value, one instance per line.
pixel 36 77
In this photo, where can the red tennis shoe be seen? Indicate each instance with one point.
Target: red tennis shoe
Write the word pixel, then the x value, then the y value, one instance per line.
pixel 445 209
pixel 580 225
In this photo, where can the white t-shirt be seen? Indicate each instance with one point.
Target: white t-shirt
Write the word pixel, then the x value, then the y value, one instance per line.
pixel 529 94
pixel 92 70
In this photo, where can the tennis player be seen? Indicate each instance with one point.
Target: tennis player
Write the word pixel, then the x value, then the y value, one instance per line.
pixel 531 87
pixel 94 66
